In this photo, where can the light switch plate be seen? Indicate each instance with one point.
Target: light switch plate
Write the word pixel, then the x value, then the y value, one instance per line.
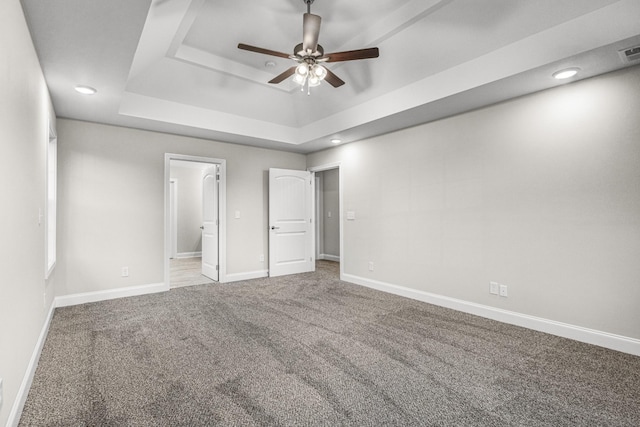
pixel 351 215
pixel 493 288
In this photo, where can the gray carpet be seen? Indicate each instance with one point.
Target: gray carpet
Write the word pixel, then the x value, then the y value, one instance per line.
pixel 311 350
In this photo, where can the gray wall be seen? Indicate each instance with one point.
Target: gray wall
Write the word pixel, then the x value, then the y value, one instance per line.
pixel 111 203
pixel 540 193
pixel 331 203
pixel 189 186
pixel 25 110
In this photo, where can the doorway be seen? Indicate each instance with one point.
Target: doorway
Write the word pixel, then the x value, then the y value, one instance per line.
pixel 195 205
pixel 328 214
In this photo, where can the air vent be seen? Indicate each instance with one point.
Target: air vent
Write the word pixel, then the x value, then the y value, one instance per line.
pixel 630 54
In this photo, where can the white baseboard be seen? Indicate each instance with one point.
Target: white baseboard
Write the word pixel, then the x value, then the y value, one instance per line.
pixel 86 297
pixel 189 254
pixel 23 391
pixel 578 333
pixel 236 277
pixel 329 257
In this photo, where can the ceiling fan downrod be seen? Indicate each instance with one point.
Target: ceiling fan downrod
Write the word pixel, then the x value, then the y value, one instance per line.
pixel 308 3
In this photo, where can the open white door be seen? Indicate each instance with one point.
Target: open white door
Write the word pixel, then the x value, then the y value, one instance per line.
pixel 210 223
pixel 290 228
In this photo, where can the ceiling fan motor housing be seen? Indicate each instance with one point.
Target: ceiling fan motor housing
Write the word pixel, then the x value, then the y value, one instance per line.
pixel 299 52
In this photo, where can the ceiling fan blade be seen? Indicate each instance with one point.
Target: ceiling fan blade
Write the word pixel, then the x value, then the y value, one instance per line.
pixel 280 77
pixel 351 55
pixel 263 51
pixel 332 79
pixel 310 32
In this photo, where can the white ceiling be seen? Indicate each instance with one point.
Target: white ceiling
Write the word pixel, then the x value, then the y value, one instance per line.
pixel 174 66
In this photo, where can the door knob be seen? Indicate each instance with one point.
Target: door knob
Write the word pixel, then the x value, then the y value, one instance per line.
pixel 273 227
pixel 202 227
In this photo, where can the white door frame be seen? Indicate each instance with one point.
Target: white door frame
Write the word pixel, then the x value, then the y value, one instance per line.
pixel 325 167
pixel 222 216
pixel 173 218
pixel 318 212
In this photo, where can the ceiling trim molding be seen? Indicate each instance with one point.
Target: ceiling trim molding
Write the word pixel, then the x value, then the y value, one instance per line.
pixel 163 22
pixel 219 64
pixel 185 25
pixel 146 107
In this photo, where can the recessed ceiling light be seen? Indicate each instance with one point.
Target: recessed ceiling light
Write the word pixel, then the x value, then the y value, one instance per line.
pixel 566 73
pixel 336 141
pixel 269 64
pixel 85 90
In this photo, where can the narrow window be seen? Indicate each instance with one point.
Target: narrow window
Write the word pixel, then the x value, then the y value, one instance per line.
pixel 52 196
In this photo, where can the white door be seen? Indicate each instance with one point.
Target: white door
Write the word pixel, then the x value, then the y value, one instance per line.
pixel 210 222
pixel 290 228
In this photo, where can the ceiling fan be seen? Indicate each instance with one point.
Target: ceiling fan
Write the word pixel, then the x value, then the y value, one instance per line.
pixel 310 55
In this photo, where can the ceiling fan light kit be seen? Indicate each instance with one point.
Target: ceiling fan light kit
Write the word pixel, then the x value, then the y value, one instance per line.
pixel 310 55
pixel 310 74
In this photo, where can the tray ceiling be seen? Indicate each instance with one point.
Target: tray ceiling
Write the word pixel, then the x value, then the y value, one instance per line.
pixel 173 65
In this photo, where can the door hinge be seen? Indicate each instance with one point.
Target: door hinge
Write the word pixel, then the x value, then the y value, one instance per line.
pixel 218 177
pixel 217 267
pixel 217 222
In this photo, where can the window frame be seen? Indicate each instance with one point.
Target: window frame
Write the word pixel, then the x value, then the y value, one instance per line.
pixel 51 202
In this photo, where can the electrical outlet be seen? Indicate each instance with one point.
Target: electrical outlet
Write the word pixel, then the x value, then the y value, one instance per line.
pixel 237 215
pixel 503 290
pixel 125 271
pixel 328 214
pixel 493 288
pixel 370 265
pixel 262 258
